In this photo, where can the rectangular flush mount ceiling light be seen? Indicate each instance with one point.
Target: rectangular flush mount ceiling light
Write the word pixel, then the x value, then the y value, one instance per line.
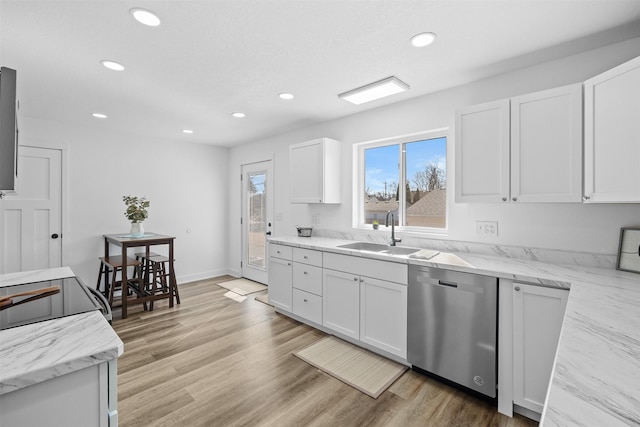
pixel 373 91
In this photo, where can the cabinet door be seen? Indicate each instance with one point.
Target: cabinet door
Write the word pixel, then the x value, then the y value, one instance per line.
pixel 306 166
pixel 280 283
pixel 538 313
pixel 383 315
pixel 612 135
pixel 546 146
pixel 482 153
pixel 341 302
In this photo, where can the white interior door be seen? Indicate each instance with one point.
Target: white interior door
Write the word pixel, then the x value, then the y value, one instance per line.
pixel 31 219
pixel 257 218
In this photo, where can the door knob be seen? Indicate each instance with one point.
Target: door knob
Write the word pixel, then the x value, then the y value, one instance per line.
pixel 517 288
pixel 54 236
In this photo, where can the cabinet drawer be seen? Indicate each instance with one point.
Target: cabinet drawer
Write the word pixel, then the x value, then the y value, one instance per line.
pixel 383 270
pixel 307 278
pixel 280 251
pixel 308 306
pixel 307 256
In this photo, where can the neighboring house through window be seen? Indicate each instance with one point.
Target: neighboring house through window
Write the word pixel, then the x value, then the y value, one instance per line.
pixel 407 176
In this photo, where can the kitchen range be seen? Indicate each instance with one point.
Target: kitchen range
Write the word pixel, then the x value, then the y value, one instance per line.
pixel 26 303
pixel 55 335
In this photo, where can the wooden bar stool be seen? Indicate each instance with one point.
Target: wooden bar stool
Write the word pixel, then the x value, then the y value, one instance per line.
pixel 156 274
pixel 113 265
pixel 146 268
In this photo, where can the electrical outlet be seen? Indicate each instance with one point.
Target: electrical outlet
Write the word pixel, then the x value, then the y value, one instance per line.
pixel 315 219
pixel 487 228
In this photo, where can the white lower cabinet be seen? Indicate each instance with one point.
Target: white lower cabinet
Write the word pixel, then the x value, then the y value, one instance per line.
pixel 383 315
pixel 337 292
pixel 341 302
pixel 307 306
pixel 307 284
pixel 371 310
pixel 280 276
pixel 78 398
pixel 538 313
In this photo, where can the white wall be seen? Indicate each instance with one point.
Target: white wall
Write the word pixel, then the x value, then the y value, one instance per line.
pixel 186 184
pixel 573 227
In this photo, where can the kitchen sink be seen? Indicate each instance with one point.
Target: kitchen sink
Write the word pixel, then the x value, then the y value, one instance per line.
pixel 399 250
pixel 379 248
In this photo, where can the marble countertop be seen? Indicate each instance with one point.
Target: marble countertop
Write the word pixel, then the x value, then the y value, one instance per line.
pixel 596 375
pixel 41 351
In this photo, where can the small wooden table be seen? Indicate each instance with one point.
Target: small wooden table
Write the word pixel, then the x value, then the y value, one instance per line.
pixel 126 241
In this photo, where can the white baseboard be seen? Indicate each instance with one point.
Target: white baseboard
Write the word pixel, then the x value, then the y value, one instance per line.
pixel 234 272
pixel 202 276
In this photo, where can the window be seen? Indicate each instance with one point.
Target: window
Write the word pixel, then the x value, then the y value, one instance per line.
pixel 406 176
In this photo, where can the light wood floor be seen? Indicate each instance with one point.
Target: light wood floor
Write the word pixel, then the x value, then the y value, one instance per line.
pixel 212 361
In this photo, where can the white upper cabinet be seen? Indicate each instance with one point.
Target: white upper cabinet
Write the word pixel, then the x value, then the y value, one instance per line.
pixel 315 169
pixel 526 149
pixel 546 146
pixel 612 135
pixel 482 153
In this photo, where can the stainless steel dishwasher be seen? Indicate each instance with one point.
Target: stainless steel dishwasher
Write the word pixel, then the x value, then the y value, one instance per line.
pixel 452 329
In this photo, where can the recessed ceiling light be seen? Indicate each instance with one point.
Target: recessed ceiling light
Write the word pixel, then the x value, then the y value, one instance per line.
pixel 423 39
pixel 380 89
pixel 99 115
pixel 112 65
pixel 286 96
pixel 189 131
pixel 145 17
pixel 238 115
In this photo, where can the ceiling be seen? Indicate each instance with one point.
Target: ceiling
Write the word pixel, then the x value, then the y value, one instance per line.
pixel 211 58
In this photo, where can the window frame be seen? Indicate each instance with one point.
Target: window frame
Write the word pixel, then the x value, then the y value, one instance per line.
pixel 358 217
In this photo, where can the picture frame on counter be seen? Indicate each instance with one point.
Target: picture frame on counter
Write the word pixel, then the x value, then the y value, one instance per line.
pixel 629 250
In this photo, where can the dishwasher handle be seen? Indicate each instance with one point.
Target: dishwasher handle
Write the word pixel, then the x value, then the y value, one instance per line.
pixel 450 284
pixel 423 278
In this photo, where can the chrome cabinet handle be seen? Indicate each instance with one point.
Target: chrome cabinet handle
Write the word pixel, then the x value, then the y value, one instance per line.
pixel 515 199
pixel 517 288
pixel 304 272
pixel 305 300
pixel 355 279
pixel 504 199
pixel 306 257
pixel 585 197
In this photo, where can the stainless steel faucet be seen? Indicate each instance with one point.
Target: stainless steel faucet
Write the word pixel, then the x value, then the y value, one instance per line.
pixel 393 240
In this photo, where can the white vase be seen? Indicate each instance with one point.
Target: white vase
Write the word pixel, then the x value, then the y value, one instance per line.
pixel 137 229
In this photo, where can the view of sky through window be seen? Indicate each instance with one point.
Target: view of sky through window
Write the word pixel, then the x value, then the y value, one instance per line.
pixel 381 164
pixel 413 190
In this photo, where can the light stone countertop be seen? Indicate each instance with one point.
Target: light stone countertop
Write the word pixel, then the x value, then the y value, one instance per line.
pixel 41 351
pixel 596 375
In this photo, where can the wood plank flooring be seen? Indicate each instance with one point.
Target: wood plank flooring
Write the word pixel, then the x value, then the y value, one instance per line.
pixel 212 361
